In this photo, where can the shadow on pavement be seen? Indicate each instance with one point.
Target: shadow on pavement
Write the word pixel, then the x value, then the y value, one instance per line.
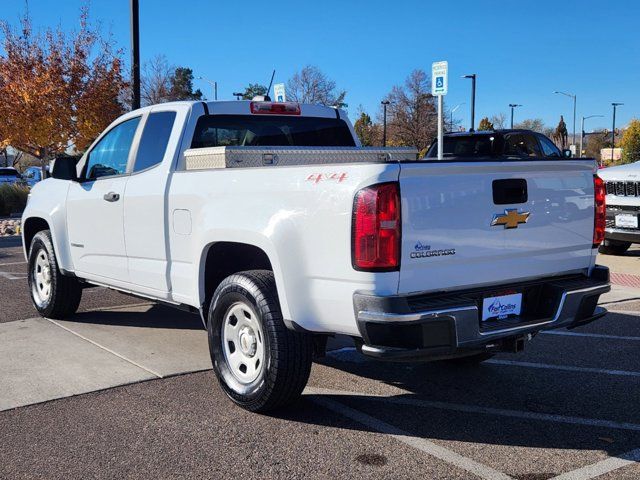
pixel 435 408
pixel 152 316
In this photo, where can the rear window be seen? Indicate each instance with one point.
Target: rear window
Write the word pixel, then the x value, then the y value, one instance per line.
pixel 271 131
pixel 468 146
pixel 8 172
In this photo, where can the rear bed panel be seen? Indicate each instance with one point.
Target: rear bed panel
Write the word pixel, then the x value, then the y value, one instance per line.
pixel 448 242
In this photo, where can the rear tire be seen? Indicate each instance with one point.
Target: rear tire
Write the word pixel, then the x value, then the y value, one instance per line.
pixel 261 364
pixel 471 360
pixel 53 294
pixel 613 247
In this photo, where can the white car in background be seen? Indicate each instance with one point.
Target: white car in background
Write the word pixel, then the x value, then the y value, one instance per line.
pixel 623 207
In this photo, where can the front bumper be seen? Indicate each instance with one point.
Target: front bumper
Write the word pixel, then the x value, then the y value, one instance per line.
pixel 631 235
pixel 447 325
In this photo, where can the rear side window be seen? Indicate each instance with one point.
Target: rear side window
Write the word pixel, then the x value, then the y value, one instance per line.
pixel 548 147
pixel 521 145
pixel 467 146
pixel 271 131
pixel 155 138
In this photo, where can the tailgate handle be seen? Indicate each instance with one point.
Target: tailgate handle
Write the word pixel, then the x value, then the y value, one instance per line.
pixel 509 191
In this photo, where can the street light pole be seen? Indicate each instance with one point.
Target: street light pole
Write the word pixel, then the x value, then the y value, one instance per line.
pixel 238 95
pixel 613 128
pixel 135 54
pixel 582 129
pixel 384 122
pixel 472 76
pixel 513 106
pixel 574 97
pixel 213 84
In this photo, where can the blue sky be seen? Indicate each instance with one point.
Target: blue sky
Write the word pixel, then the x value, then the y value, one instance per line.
pixel 521 51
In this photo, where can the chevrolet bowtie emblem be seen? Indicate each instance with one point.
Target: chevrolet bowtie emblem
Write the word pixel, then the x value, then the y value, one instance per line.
pixel 510 219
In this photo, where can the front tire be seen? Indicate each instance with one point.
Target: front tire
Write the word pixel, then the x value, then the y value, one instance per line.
pixel 53 294
pixel 613 247
pixel 261 364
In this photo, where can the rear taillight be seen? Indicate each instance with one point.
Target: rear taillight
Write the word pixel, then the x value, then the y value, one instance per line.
pixel 599 222
pixel 376 228
pixel 273 108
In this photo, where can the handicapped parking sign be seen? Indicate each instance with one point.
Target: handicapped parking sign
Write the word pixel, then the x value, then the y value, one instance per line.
pixel 439 75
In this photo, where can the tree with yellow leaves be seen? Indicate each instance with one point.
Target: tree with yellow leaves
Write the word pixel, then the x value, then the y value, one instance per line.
pixel 630 142
pixel 57 90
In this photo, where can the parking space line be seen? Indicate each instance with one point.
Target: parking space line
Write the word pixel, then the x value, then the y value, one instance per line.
pixel 566 368
pixel 421 444
pixel 105 349
pixel 12 263
pixel 600 468
pixel 13 276
pixel 475 409
pixel 590 335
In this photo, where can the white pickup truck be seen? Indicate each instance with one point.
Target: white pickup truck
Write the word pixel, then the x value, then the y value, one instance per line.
pixel 271 221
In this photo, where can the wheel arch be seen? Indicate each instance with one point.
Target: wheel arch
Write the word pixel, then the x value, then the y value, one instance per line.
pixel 30 227
pixel 221 259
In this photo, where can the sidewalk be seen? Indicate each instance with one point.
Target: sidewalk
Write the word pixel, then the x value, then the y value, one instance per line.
pixel 43 359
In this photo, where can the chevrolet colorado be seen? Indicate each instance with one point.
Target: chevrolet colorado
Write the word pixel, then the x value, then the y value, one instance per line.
pixel 273 223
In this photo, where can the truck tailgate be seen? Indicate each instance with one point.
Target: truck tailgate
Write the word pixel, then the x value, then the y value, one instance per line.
pixel 448 241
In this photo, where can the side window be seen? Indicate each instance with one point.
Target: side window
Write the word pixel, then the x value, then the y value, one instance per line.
pixel 521 145
pixel 548 147
pixel 155 138
pixel 110 155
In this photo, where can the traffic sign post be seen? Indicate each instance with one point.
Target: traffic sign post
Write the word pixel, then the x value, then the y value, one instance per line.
pixel 278 92
pixel 439 88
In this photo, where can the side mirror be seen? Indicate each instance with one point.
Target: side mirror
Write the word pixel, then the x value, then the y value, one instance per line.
pixel 566 153
pixel 64 168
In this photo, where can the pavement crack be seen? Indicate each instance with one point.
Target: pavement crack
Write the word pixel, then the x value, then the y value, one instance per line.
pixel 105 349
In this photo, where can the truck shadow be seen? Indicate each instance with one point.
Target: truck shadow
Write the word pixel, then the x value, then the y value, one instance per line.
pixel 151 316
pixel 488 404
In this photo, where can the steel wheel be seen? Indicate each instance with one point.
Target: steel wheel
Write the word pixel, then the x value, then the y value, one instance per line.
pixel 243 343
pixel 42 278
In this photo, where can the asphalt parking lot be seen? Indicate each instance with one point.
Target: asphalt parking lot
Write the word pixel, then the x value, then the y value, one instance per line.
pixel 123 390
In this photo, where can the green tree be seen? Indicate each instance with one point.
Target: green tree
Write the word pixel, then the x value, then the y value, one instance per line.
pixel 485 124
pixel 367 131
pixel 253 90
pixel 182 85
pixel 630 142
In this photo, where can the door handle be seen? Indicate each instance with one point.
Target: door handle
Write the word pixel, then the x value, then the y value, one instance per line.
pixel 111 197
